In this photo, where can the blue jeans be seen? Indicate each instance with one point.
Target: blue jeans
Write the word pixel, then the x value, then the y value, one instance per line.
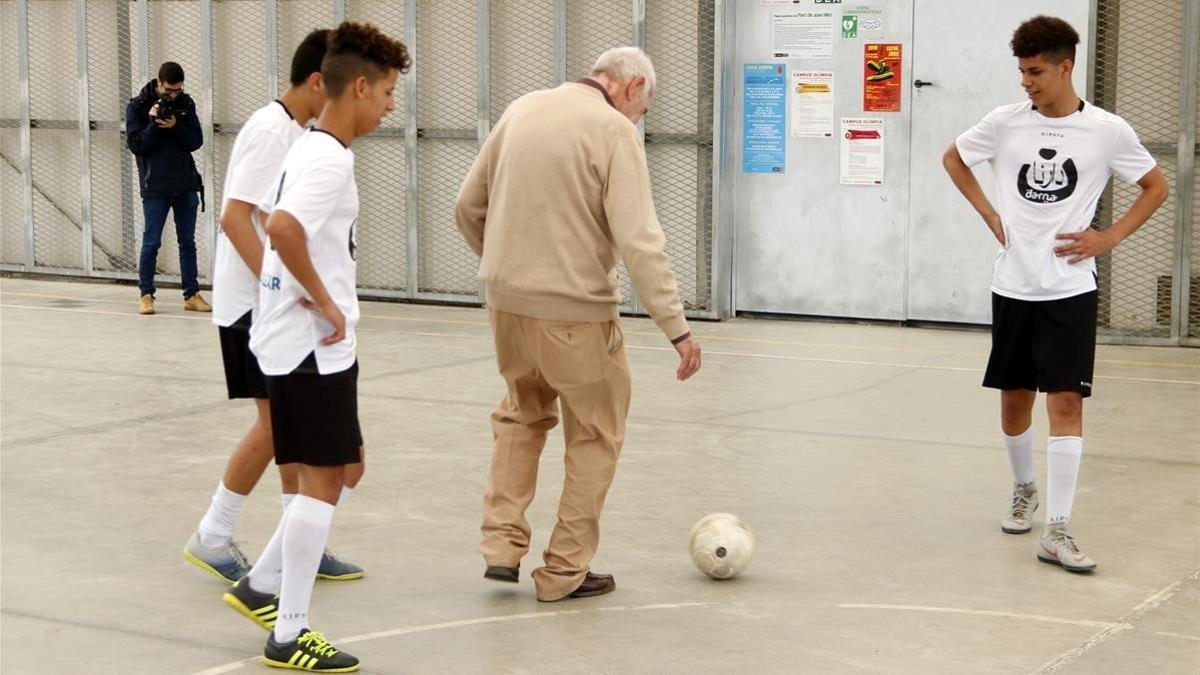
pixel 155 209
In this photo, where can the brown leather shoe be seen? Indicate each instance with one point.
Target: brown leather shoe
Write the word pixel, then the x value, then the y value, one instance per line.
pixel 502 573
pixel 594 584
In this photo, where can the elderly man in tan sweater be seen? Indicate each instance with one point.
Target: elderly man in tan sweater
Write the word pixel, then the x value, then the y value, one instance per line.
pixel 560 189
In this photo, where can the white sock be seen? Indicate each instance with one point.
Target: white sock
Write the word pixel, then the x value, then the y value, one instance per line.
pixel 346 492
pixel 286 499
pixel 303 542
pixel 216 527
pixel 1062 471
pixel 1020 455
pixel 264 576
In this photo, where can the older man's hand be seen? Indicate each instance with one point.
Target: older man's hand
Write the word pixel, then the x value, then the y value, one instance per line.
pixel 689 358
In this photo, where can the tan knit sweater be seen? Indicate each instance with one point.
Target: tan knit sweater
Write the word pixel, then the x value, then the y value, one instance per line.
pixel 559 190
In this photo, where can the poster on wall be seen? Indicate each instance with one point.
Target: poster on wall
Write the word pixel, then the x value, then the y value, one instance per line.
pixel 862 151
pixel 881 77
pixel 812 103
pixel 802 34
pixel 764 112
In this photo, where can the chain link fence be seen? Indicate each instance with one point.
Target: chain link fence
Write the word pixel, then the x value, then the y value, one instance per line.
pixel 12 170
pixel 471 59
pixel 680 37
pixel 381 163
pixel 1139 57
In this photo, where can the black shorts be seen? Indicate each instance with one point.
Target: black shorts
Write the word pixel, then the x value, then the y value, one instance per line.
pixel 243 378
pixel 314 417
pixel 1047 345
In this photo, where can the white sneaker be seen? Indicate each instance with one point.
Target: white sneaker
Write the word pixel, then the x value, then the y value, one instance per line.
pixel 1057 547
pixel 1020 512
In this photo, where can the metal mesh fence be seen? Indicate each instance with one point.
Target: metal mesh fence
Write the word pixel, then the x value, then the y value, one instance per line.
pixel 381 170
pixel 111 81
pixel 12 181
pixel 521 45
pixel 680 39
pixel 242 63
pixel 447 113
pixel 295 18
pixel 126 41
pixel 1193 308
pixel 240 67
pixel 1132 79
pixel 54 114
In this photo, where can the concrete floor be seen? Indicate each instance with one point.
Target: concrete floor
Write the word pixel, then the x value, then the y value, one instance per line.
pixel 866 459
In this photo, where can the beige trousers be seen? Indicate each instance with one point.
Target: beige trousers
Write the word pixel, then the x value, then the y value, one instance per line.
pixel 547 364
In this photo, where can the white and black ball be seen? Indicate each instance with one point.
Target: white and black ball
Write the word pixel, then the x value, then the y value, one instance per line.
pixel 721 545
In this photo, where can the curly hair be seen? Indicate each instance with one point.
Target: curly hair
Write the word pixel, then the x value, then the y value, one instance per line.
pixel 1051 37
pixel 360 49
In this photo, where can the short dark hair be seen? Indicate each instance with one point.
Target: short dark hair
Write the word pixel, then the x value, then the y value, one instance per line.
pixel 1049 36
pixel 308 56
pixel 360 49
pixel 170 72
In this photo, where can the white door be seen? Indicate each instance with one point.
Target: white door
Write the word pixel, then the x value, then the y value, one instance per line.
pixel 805 243
pixel 962 49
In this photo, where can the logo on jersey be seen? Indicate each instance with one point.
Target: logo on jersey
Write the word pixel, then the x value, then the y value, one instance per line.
pixel 1047 180
pixel 270 282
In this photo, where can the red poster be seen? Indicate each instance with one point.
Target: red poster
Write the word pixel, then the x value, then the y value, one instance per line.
pixel 881 77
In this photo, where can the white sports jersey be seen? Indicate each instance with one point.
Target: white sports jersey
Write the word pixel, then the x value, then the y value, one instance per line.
pixel 258 153
pixel 1050 173
pixel 316 186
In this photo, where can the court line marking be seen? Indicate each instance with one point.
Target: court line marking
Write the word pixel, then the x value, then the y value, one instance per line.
pixel 1154 600
pixel 235 665
pixel 706 337
pixel 987 612
pixel 1180 636
pixel 777 357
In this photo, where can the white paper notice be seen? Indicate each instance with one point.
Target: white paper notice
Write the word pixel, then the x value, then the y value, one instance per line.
pixel 802 34
pixel 862 151
pixel 812 103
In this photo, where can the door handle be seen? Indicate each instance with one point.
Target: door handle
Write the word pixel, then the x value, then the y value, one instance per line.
pixel 922 83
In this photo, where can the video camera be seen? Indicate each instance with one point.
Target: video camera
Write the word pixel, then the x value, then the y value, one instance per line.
pixel 168 107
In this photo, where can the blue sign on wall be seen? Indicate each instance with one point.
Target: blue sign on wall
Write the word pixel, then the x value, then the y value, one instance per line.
pixel 764 113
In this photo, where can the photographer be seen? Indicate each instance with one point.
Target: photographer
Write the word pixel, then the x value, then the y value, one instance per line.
pixel 162 131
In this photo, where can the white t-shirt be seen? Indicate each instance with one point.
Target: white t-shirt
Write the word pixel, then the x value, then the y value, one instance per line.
pixel 316 186
pixel 254 164
pixel 1050 173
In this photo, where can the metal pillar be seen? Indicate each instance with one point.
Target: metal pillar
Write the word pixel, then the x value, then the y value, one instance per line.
pixel 85 135
pixel 209 150
pixel 413 238
pixel 1185 172
pixel 26 132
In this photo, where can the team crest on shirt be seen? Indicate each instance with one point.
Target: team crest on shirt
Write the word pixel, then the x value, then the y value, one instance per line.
pixel 1049 179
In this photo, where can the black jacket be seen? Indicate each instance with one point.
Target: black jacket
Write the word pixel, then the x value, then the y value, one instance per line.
pixel 164 156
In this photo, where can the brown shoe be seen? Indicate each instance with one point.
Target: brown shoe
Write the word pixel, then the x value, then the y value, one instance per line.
pixel 502 573
pixel 146 304
pixel 594 584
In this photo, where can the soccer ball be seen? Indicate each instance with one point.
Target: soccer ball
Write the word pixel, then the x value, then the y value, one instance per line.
pixel 721 545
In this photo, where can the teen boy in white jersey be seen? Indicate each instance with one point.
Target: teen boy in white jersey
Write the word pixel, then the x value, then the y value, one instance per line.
pixel 254 163
pixel 303 336
pixel 1052 156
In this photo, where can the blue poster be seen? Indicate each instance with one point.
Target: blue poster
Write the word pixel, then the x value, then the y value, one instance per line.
pixel 764 113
